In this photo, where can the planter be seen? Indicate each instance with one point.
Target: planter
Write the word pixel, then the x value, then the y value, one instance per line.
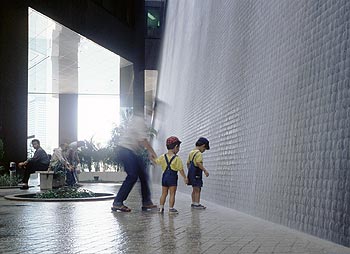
pixel 58 181
pixel 113 177
pixel 31 197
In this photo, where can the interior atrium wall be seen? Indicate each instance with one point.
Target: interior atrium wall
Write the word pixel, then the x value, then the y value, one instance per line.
pixel 267 82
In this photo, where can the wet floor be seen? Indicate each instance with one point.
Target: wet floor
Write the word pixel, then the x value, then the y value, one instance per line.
pixel 91 227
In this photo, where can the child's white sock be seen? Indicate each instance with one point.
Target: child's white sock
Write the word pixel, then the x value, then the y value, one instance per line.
pixel 161 206
pixel 195 203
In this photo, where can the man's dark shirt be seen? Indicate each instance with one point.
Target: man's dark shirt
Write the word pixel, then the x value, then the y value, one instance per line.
pixel 40 158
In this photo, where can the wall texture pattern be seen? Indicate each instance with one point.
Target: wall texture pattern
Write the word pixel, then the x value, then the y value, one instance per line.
pixel 268 83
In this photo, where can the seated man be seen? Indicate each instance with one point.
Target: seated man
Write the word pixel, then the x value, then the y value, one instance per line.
pixel 39 162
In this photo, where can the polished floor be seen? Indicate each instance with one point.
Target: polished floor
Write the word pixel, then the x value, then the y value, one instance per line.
pixel 91 227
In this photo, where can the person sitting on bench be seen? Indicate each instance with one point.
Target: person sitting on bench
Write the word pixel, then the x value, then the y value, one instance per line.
pixel 39 162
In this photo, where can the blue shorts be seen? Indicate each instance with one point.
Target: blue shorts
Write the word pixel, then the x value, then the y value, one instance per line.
pixel 195 181
pixel 195 177
pixel 169 178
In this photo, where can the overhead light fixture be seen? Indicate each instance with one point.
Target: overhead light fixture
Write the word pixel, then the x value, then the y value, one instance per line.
pixel 150 16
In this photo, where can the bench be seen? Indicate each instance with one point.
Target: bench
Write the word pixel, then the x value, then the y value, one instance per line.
pixel 46 179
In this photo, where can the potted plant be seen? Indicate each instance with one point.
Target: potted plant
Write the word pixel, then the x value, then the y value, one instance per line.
pixel 5 178
pixel 2 152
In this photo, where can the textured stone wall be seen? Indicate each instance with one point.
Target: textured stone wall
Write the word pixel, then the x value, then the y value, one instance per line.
pixel 268 83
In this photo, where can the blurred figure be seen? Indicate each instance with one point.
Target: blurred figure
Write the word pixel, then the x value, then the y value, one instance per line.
pixel 134 140
pixel 59 159
pixel 72 154
pixel 39 162
pixel 60 165
pixel 74 161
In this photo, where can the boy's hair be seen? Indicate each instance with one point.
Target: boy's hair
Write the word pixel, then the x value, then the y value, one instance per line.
pixel 172 142
pixel 36 140
pixel 203 141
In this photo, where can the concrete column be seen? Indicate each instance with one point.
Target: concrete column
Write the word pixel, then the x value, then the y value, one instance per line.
pixel 139 63
pixel 68 118
pixel 14 78
pixel 68 87
pixel 139 90
pixel 126 86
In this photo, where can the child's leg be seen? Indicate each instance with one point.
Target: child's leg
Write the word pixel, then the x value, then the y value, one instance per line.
pixel 193 196
pixel 199 195
pixel 163 196
pixel 196 195
pixel 172 196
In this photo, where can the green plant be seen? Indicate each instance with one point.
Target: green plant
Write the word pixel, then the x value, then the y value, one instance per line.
pixel 118 132
pixel 1 149
pixel 58 168
pixel 66 192
pixel 2 152
pixel 6 180
pixel 91 154
pixel 86 154
pixel 105 157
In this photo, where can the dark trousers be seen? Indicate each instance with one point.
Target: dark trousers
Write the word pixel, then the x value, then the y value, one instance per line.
pixel 135 168
pixel 70 178
pixel 30 168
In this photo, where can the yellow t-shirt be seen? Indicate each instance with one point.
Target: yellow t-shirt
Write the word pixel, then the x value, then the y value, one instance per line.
pixel 175 165
pixel 197 159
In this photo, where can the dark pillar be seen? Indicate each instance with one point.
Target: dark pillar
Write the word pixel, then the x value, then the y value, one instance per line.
pixel 139 64
pixel 139 90
pixel 14 78
pixel 68 115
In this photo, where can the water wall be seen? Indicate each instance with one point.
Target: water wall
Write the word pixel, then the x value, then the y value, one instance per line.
pixel 267 82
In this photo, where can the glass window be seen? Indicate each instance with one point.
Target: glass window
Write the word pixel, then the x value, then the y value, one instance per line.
pixel 97 116
pixel 61 61
pixel 43 120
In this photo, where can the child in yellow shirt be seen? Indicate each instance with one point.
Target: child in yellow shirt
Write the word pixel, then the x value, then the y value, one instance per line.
pixel 171 164
pixel 195 170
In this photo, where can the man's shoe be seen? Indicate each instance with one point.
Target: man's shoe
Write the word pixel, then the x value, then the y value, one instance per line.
pixel 121 208
pixel 149 207
pixel 24 187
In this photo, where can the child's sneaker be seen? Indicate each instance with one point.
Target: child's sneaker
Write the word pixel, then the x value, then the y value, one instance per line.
pixel 201 207
pixel 161 210
pixel 173 211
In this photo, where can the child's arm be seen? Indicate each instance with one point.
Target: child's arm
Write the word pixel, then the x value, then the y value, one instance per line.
pixel 182 173
pixel 200 165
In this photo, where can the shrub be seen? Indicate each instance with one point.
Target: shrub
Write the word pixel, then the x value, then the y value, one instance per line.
pixel 5 180
pixel 66 192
